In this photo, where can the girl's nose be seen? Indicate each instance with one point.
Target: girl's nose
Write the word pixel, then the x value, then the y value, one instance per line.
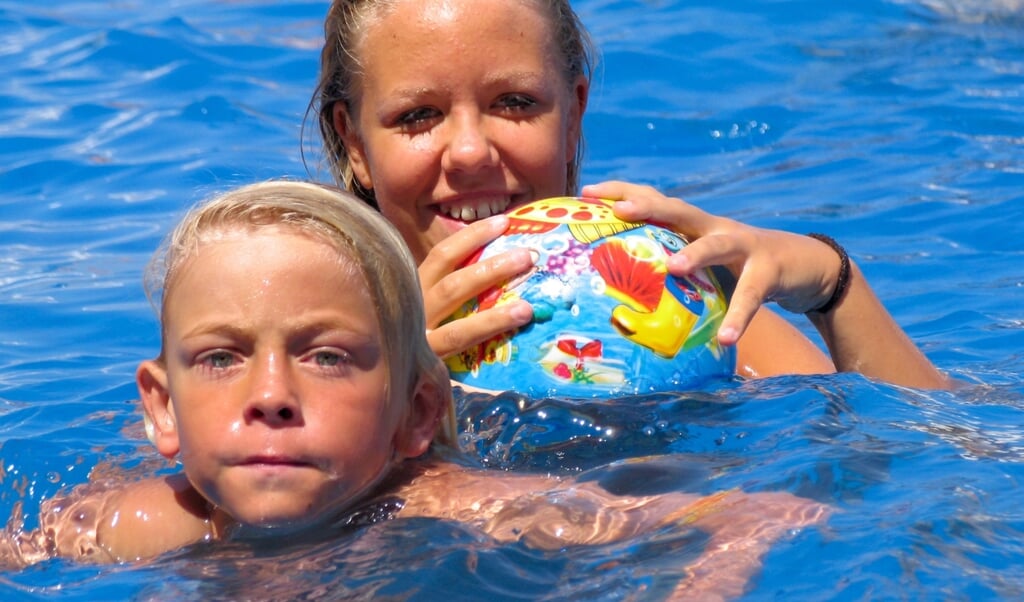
pixel 272 399
pixel 468 148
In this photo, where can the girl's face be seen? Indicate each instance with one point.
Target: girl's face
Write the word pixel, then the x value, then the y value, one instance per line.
pixel 463 111
pixel 274 392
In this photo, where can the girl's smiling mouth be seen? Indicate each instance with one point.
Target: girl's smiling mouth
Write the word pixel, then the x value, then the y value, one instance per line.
pixel 470 209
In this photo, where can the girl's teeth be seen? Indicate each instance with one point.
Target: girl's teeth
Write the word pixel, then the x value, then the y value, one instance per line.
pixel 470 213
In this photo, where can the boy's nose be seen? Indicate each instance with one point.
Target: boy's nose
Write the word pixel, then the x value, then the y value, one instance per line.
pixel 272 412
pixel 272 399
pixel 468 147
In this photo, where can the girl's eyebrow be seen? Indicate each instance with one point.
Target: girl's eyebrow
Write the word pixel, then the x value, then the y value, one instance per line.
pixel 514 78
pixel 410 92
pixel 517 78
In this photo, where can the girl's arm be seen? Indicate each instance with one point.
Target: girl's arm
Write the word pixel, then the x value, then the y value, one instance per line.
pixel 863 337
pixel 758 351
pixel 798 272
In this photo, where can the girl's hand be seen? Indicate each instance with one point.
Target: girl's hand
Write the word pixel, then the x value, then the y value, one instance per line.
pixel 447 286
pixel 797 272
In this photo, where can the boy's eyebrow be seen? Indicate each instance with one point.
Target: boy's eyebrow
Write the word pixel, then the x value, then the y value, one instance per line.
pixel 304 327
pixel 215 327
pixel 315 327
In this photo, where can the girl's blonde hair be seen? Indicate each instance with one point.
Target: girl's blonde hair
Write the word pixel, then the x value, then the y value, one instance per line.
pixel 358 232
pixel 341 67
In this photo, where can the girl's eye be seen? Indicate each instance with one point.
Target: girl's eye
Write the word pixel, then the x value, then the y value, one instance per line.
pixel 516 101
pixel 415 117
pixel 219 359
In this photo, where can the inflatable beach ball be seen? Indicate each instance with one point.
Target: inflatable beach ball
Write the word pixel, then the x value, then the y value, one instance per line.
pixel 608 319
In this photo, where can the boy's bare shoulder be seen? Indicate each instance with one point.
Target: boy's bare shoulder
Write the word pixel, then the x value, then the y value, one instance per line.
pixel 112 521
pixel 143 519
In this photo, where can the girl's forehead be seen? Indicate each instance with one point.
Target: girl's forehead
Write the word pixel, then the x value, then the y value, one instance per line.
pixel 418 38
pixel 437 13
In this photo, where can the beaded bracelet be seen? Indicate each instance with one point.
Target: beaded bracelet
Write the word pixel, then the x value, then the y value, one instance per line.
pixel 844 273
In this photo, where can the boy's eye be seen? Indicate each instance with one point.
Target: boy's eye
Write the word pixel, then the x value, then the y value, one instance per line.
pixel 219 359
pixel 329 359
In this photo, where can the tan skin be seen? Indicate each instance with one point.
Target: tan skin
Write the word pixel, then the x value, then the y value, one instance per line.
pixel 143 520
pixel 285 419
pixel 446 136
pixel 797 272
pixel 757 352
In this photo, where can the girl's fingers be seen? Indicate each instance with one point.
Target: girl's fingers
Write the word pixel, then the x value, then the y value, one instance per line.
pixel 744 304
pixel 616 190
pixel 450 292
pixel 452 252
pixel 456 336
pixel 447 286
pixel 706 252
pixel 638 203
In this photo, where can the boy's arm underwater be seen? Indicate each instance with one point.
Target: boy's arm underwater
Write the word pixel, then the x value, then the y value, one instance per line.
pixel 102 523
pixel 111 523
pixel 549 513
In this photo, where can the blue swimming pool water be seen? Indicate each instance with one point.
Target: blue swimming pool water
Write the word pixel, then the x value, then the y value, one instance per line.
pixel 895 126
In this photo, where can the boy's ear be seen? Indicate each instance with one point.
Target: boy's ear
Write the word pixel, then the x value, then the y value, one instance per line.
pixel 344 126
pixel 157 407
pixel 427 410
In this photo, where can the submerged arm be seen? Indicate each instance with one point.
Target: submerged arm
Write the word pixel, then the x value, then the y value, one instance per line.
pixel 550 514
pixel 743 527
pixel 106 523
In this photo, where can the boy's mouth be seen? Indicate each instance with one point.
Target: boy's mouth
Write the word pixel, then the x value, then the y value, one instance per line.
pixel 274 460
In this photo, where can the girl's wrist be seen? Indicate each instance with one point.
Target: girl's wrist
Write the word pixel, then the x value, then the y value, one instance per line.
pixel 842 280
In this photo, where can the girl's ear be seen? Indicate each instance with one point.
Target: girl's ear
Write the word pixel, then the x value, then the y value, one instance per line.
pixel 577 107
pixel 427 409
pixel 157 407
pixel 344 126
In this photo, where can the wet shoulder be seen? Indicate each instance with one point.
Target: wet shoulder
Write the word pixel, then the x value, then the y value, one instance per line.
pixel 141 520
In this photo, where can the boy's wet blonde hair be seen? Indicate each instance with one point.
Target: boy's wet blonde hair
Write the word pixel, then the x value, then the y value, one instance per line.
pixel 340 68
pixel 359 233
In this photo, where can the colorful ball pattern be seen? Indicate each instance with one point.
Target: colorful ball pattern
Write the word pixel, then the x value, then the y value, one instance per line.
pixel 608 320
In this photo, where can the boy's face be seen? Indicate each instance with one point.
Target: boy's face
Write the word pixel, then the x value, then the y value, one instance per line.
pixel 278 392
pixel 464 112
